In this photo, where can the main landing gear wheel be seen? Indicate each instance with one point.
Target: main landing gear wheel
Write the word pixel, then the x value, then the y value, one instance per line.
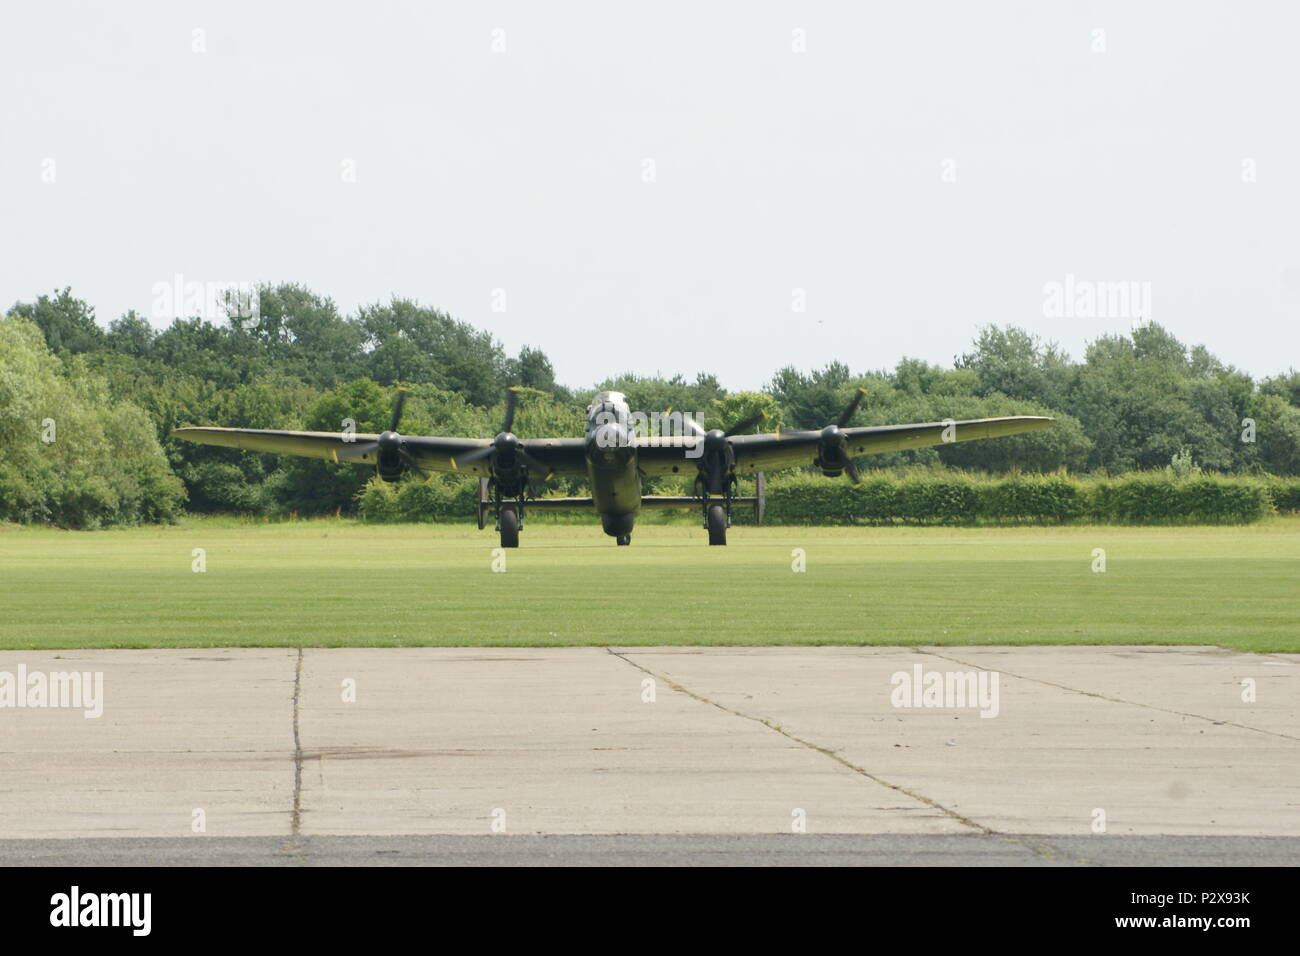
pixel 717 524
pixel 624 539
pixel 509 528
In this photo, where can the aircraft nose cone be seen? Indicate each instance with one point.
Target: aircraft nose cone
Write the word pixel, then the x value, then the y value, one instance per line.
pixel 506 442
pixel 389 440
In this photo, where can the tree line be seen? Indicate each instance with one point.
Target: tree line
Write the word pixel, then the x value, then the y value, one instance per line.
pixel 115 390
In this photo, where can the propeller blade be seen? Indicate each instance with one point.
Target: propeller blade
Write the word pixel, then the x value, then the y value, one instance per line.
pixel 356 450
pixel 512 400
pixel 852 469
pixel 534 464
pixel 412 463
pixel 847 414
pixel 397 410
pixel 478 454
pixel 688 423
pixel 747 424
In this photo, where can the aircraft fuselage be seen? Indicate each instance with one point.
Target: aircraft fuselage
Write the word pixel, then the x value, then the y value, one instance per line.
pixel 612 463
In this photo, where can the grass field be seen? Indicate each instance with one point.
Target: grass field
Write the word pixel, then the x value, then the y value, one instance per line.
pixel 337 582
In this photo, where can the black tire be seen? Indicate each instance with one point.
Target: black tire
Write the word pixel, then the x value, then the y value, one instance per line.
pixel 509 528
pixel 624 539
pixel 717 524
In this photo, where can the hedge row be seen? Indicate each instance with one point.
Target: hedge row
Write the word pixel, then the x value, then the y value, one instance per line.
pixel 1285 493
pixel 437 500
pixel 1139 498
pixel 932 498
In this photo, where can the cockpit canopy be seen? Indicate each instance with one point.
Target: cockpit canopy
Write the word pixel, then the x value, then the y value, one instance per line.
pixel 613 403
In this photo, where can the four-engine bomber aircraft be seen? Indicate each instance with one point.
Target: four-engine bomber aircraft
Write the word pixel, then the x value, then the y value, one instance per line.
pixel 613 458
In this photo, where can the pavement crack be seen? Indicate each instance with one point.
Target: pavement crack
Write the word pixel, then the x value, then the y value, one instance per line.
pixel 295 821
pixel 1109 699
pixel 824 751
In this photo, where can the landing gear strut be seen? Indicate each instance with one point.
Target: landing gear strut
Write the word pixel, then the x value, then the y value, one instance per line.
pixel 717 514
pixel 510 512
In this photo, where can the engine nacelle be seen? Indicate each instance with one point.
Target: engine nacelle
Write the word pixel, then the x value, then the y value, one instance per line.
pixel 388 460
pixel 831 452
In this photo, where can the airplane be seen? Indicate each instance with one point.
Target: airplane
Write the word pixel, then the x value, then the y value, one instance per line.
pixel 613 457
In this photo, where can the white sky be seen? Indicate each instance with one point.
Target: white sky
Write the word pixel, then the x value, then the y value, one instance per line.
pixel 523 170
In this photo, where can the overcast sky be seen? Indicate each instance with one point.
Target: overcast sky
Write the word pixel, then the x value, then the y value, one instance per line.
pixel 662 186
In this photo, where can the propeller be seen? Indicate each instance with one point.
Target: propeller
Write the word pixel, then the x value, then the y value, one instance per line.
pixel 398 407
pixel 506 450
pixel 390 445
pixel 688 422
pixel 512 402
pixel 716 438
pixel 743 425
pixel 832 449
pixel 718 458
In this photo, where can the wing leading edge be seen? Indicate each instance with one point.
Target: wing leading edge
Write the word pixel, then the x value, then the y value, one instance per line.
pixel 792 449
pixel 563 455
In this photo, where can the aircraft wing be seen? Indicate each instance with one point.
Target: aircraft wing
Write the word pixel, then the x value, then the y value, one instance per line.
pixel 790 449
pixel 564 456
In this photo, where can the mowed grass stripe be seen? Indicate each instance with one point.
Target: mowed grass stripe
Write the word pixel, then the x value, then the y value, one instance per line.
pixel 341 583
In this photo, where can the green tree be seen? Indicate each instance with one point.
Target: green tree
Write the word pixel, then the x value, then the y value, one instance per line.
pixel 741 405
pixel 1019 365
pixel 1286 387
pixel 411 343
pixel 306 337
pixel 67 323
pixel 69 453
pixel 533 369
pixel 814 399
pixel 1143 398
pixel 131 335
